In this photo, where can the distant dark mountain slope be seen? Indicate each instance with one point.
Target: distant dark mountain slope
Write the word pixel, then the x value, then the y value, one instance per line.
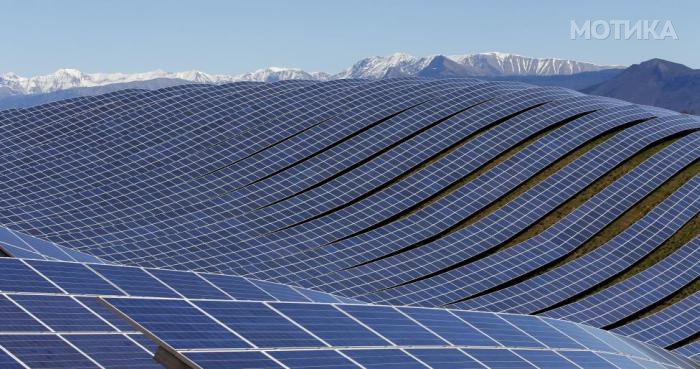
pixel 655 82
pixel 23 101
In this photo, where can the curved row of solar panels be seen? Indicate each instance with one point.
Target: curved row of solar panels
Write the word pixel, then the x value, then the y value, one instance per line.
pixel 401 223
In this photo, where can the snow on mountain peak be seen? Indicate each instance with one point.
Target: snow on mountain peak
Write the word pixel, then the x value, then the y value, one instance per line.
pixel 398 64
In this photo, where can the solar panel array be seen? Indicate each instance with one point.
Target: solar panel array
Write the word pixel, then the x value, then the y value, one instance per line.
pixel 455 193
pixel 214 334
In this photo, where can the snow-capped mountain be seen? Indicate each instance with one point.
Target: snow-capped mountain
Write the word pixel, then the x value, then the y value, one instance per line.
pixel 491 64
pixel 62 79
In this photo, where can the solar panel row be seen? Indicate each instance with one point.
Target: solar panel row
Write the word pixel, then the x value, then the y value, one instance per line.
pixel 210 333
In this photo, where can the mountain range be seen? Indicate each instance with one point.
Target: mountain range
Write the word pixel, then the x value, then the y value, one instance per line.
pixel 491 64
pixel 655 82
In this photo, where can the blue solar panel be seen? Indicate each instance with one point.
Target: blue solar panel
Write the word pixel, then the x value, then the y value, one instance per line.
pixel 178 323
pixel 673 324
pixel 61 313
pixel 545 359
pixel 280 292
pixel 316 296
pixel 580 335
pixel 499 359
pixel 626 363
pixel 188 284
pixel 446 359
pixel 6 361
pixel 134 281
pixel 393 325
pixel 238 288
pixel 313 359
pixel 259 324
pixel 587 359
pixel 384 359
pixel 232 360
pixel 449 327
pixel 542 331
pixel 14 319
pixel 105 313
pixel 493 326
pixel 17 277
pixel 53 353
pixel 113 351
pixel 329 324
pixel 74 278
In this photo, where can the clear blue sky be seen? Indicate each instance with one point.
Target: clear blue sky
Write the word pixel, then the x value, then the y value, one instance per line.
pixel 38 37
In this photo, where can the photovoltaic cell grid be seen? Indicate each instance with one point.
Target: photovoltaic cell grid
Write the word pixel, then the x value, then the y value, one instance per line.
pixel 50 315
pixel 278 181
pixel 214 334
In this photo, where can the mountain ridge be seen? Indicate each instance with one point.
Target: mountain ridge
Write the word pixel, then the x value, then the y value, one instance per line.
pixel 655 82
pixel 491 64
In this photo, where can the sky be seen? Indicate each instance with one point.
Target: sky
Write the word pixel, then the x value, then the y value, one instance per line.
pixel 231 37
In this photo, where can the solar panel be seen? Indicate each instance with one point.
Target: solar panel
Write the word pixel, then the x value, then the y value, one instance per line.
pixel 499 359
pixel 178 323
pixel 14 319
pixel 330 324
pixel 74 278
pixel 113 351
pixel 493 326
pixel 238 288
pixel 134 281
pixel 393 325
pixel 259 324
pixel 385 359
pixel 545 359
pixel 188 284
pixel 61 313
pixel 587 359
pixel 17 276
pixel 445 359
pixel 55 353
pixel 232 360
pixel 313 359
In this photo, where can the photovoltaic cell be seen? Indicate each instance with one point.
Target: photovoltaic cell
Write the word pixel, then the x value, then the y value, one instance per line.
pixel 330 324
pixel 545 359
pixel 384 359
pixel 15 276
pixel 61 313
pixel 587 359
pixel 74 278
pixel 312 359
pixel 393 325
pixel 178 323
pixel 259 324
pixel 232 360
pixel 6 361
pixel 13 319
pixel 446 359
pixel 113 351
pixel 105 313
pixel 189 285
pixel 493 326
pixel 134 281
pixel 541 331
pixel 449 327
pixel 238 288
pixel 280 292
pixel 498 359
pixel 54 353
